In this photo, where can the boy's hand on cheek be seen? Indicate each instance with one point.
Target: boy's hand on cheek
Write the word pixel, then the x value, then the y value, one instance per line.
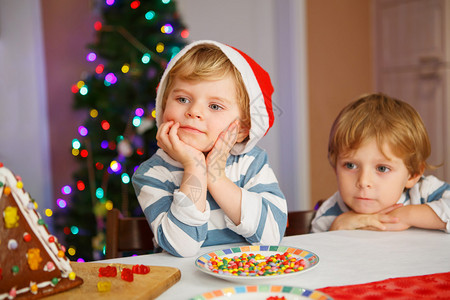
pixel 168 140
pixel 217 158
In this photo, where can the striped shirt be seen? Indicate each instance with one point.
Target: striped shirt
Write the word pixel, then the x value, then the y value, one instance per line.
pixel 429 190
pixel 181 229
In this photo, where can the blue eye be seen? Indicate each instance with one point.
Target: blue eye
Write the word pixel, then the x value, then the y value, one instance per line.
pixel 216 107
pixel 383 169
pixel 182 100
pixel 350 165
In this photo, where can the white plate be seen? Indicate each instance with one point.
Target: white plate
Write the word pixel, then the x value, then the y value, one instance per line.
pixel 203 262
pixel 258 292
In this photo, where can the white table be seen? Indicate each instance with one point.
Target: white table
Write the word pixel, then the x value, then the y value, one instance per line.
pixel 346 257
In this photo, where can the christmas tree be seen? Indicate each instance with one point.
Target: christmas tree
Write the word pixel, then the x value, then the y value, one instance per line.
pixel 134 42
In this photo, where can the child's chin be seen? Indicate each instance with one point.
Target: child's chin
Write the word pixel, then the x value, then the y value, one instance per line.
pixel 200 148
pixel 365 210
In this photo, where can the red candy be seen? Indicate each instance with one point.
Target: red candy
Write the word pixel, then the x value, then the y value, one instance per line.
pixel 108 271
pixel 276 298
pixel 26 237
pixel 127 274
pixel 141 269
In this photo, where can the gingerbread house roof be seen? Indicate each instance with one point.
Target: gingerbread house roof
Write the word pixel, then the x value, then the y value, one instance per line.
pixel 32 262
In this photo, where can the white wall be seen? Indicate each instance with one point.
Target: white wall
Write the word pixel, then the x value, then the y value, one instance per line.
pixel 24 140
pixel 272 33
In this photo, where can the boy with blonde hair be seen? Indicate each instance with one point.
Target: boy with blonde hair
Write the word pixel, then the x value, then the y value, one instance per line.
pixel 209 183
pixel 378 148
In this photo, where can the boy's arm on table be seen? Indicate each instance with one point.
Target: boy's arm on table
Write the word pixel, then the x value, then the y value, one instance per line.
pixel 433 211
pixel 352 220
pixel 421 216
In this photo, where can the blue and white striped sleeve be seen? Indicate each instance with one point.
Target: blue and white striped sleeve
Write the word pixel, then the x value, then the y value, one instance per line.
pixel 327 213
pixel 436 194
pixel 178 227
pixel 263 206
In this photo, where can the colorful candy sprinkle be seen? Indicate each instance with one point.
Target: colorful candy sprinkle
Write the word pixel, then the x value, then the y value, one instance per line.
pixel 256 265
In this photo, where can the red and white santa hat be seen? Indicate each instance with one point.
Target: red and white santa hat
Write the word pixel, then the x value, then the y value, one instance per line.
pixel 258 85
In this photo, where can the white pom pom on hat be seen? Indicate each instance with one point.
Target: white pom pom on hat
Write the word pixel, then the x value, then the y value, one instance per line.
pixel 258 85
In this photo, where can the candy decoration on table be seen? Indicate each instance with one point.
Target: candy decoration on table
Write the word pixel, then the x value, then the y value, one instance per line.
pixel 108 271
pixel 256 265
pixel 276 298
pixel 103 286
pixel 127 274
pixel 32 262
pixel 141 269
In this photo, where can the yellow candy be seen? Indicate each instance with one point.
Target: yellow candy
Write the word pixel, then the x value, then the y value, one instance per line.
pixel 11 217
pixel 19 184
pixel 104 286
pixel 72 275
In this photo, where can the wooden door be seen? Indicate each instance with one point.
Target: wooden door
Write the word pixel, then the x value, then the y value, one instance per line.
pixel 412 63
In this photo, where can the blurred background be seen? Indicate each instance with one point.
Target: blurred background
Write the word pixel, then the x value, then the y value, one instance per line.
pixel 321 54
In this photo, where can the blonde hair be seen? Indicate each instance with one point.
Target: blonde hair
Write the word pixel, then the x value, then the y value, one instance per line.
pixel 208 62
pixel 386 119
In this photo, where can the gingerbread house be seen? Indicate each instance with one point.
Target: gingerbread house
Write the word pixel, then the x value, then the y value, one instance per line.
pixel 32 262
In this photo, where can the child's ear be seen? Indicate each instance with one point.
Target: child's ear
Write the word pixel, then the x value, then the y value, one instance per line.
pixel 413 179
pixel 242 134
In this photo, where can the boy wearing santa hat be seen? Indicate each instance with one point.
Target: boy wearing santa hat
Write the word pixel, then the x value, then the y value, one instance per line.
pixel 209 183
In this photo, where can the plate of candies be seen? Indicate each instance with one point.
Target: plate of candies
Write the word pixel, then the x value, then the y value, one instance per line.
pixel 257 263
pixel 263 292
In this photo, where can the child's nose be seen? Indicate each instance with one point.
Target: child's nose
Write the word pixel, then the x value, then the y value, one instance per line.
pixel 194 111
pixel 364 179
